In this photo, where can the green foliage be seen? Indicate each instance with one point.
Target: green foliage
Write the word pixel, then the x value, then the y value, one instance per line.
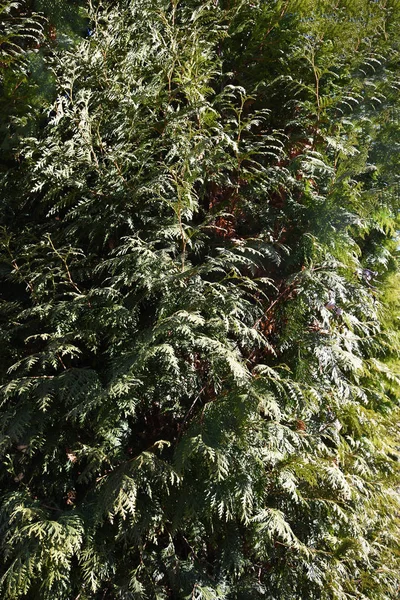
pixel 20 35
pixel 199 360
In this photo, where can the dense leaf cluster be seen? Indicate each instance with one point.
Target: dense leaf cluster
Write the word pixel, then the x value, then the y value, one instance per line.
pixel 199 278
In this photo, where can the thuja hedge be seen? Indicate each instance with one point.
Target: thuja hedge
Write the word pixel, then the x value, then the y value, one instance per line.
pixel 199 299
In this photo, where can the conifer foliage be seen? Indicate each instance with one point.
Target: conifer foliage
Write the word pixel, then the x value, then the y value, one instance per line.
pixel 199 276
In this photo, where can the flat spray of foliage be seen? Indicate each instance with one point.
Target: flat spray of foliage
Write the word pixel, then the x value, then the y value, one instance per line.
pixel 199 298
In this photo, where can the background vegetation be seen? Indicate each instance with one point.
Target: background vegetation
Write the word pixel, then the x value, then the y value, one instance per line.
pixel 199 300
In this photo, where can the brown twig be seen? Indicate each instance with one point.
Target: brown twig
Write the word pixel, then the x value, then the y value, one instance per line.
pixel 64 262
